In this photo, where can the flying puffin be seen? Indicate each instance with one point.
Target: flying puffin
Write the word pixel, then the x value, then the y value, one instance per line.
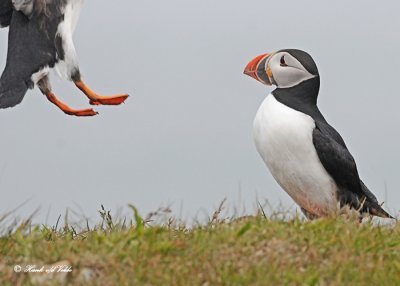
pixel 40 39
pixel 306 156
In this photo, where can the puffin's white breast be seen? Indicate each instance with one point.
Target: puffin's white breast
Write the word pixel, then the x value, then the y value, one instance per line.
pixel 283 137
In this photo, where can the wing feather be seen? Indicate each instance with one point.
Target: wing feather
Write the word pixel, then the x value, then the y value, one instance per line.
pixel 340 164
pixel 6 10
pixel 31 47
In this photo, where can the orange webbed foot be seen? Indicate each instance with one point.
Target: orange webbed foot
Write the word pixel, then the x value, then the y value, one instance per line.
pixel 68 110
pixel 95 99
pixel 81 112
pixel 108 100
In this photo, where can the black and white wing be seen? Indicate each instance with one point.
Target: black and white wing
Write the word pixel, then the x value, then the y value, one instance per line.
pixel 340 164
pixel 6 10
pixel 31 48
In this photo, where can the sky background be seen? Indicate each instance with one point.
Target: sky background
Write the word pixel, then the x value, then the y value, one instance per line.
pixel 184 137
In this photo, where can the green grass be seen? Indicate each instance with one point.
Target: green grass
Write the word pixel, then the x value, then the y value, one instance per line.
pixel 244 251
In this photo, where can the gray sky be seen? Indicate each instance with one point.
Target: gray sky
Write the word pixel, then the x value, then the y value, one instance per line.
pixel 184 137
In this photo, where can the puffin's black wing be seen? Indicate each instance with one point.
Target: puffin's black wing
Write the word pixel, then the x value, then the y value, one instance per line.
pixel 6 10
pixel 31 47
pixel 340 164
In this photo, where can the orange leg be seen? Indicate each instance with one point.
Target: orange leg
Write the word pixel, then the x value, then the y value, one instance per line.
pixel 98 99
pixel 66 109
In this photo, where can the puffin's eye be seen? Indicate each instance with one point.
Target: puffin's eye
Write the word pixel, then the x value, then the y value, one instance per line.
pixel 283 63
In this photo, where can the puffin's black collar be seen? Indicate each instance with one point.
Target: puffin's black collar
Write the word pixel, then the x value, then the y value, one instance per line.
pixel 302 97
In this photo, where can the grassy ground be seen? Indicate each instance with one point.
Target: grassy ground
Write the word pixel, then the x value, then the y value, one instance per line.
pixel 245 251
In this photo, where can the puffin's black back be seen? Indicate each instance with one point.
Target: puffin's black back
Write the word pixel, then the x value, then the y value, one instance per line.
pixel 31 47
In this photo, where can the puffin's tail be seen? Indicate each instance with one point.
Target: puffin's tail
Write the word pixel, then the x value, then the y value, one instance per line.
pixel 12 95
pixel 371 204
pixel 376 209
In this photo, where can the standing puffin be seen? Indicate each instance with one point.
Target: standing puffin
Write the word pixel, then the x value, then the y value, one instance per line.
pixel 40 39
pixel 306 156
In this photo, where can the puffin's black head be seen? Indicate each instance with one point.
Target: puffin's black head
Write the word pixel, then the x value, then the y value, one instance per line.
pixel 284 68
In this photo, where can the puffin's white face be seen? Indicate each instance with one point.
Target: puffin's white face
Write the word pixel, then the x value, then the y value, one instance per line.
pixel 280 68
pixel 284 70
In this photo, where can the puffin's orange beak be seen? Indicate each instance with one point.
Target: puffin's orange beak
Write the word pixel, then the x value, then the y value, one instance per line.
pixel 256 69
